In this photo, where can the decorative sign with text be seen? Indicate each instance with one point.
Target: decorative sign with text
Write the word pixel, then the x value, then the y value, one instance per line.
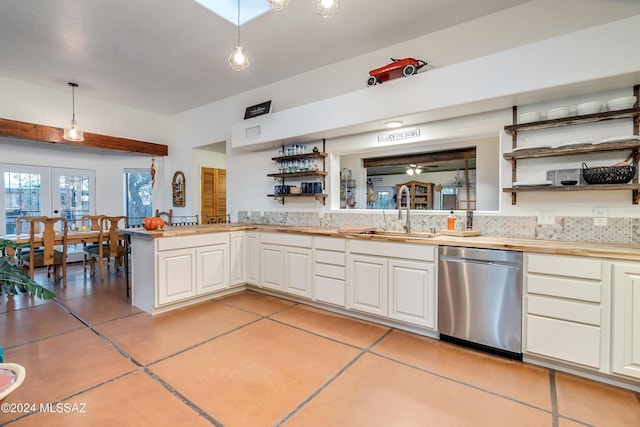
pixel 257 110
pixel 395 136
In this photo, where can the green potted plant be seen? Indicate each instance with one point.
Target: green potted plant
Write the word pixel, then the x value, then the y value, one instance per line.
pixel 14 280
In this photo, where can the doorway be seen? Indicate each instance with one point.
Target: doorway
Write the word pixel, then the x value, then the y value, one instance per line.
pixel 213 198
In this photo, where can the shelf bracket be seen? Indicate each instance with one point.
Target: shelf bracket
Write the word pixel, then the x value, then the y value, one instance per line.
pixel 279 199
pixel 321 199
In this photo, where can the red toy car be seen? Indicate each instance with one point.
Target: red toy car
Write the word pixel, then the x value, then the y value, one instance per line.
pixel 398 68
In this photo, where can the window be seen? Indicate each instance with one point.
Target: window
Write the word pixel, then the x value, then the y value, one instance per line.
pixel 138 195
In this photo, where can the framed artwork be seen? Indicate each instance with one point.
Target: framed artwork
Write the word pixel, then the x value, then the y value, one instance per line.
pixel 179 188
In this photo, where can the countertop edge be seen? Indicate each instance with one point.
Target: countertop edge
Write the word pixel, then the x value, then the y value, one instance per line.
pixel 556 247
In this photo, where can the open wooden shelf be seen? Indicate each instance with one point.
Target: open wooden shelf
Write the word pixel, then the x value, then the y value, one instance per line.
pixel 574 120
pixel 568 151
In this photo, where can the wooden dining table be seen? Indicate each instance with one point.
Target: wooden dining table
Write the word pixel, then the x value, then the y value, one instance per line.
pixel 73 237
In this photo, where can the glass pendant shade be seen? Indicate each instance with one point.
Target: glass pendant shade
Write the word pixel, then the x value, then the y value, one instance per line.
pixel 327 8
pixel 73 132
pixel 278 5
pixel 238 60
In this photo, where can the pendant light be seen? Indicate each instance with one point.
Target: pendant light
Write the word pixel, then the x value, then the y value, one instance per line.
pixel 327 8
pixel 278 5
pixel 73 132
pixel 238 60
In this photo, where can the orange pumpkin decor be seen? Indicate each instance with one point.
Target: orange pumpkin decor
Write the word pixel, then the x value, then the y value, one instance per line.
pixel 153 223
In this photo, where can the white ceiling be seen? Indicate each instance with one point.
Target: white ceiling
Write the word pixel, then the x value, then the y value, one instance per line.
pixel 168 56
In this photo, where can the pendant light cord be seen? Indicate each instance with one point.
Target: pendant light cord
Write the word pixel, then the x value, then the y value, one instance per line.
pixel 238 22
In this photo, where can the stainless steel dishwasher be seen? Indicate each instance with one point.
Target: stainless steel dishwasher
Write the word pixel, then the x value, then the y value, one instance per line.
pixel 480 298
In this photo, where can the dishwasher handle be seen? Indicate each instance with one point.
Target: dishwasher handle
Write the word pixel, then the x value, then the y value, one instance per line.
pixel 445 258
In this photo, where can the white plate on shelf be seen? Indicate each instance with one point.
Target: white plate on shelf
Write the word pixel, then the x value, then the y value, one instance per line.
pixel 574 143
pixel 538 183
pixel 620 138
pixel 534 147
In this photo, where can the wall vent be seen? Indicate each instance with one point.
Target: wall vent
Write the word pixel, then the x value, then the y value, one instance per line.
pixel 252 132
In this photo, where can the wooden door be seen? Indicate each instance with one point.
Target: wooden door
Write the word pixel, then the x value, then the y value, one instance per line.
pixel 214 193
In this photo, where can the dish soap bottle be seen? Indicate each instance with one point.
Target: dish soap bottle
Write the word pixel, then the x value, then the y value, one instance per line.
pixel 451 221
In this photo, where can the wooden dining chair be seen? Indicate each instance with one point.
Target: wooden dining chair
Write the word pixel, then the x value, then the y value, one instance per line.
pixel 111 245
pixel 92 223
pixel 166 216
pixel 22 227
pixel 49 255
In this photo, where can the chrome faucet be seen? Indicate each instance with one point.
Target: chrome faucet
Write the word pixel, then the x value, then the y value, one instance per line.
pixel 407 226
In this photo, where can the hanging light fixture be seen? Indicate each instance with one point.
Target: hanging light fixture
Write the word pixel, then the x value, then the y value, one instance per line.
pixel 73 132
pixel 238 60
pixel 413 169
pixel 327 8
pixel 278 5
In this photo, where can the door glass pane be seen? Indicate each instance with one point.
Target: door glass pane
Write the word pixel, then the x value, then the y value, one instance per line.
pixel 138 191
pixel 75 198
pixel 22 196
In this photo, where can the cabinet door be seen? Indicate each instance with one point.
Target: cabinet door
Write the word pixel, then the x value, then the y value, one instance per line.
pixel 412 292
pixel 252 260
pixel 368 284
pixel 176 275
pixel 237 270
pixel 298 271
pixel 272 266
pixel 625 358
pixel 212 268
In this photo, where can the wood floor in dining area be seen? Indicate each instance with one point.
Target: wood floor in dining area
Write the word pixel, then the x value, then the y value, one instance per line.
pixel 254 360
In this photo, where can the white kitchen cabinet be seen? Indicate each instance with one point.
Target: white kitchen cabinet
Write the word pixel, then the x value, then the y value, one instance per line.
pixel 564 309
pixel 330 271
pixel 237 258
pixel 412 292
pixel 212 272
pixel 368 284
pixel 176 275
pixel 252 260
pixel 285 263
pixel 272 266
pixel 625 357
pixel 395 280
pixel 297 265
pixel 171 272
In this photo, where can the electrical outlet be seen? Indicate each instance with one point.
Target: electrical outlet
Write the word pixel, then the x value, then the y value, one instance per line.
pixel 600 212
pixel 546 217
pixel 600 221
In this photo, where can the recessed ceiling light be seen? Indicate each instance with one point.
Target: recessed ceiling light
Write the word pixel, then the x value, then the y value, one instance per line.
pixel 393 124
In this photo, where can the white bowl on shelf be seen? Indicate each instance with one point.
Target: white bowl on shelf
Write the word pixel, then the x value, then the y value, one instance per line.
pixel 532 116
pixel 590 107
pixel 621 103
pixel 557 113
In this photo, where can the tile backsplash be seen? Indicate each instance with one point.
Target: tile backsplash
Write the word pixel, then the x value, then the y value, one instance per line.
pixel 579 229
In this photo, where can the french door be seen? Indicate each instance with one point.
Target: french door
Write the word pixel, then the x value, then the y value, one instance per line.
pixel 37 190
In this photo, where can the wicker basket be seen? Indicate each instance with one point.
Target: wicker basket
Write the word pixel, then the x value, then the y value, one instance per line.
pixel 608 174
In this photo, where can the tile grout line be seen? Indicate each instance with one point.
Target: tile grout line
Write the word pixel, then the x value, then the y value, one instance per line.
pixel 473 386
pixel 554 397
pixel 332 379
pixel 142 367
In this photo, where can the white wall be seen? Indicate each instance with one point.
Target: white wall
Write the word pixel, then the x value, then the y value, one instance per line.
pixel 503 59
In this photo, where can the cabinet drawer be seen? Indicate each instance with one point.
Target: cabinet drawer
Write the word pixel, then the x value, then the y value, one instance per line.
pixel 287 239
pixel 331 244
pixel 564 288
pixel 567 341
pixel 333 271
pixel 328 257
pixel 556 265
pixel 179 242
pixel 330 290
pixel 574 311
pixel 394 250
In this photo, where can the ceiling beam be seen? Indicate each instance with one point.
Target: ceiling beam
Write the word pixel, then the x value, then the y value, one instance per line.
pixel 41 133
pixel 421 158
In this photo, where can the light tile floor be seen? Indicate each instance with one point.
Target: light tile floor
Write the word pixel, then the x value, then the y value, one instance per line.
pixel 254 360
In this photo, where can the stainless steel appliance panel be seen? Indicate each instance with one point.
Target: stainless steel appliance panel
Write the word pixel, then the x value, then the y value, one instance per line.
pixel 480 296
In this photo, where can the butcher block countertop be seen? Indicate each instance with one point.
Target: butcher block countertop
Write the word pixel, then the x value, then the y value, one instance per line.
pixel 559 247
